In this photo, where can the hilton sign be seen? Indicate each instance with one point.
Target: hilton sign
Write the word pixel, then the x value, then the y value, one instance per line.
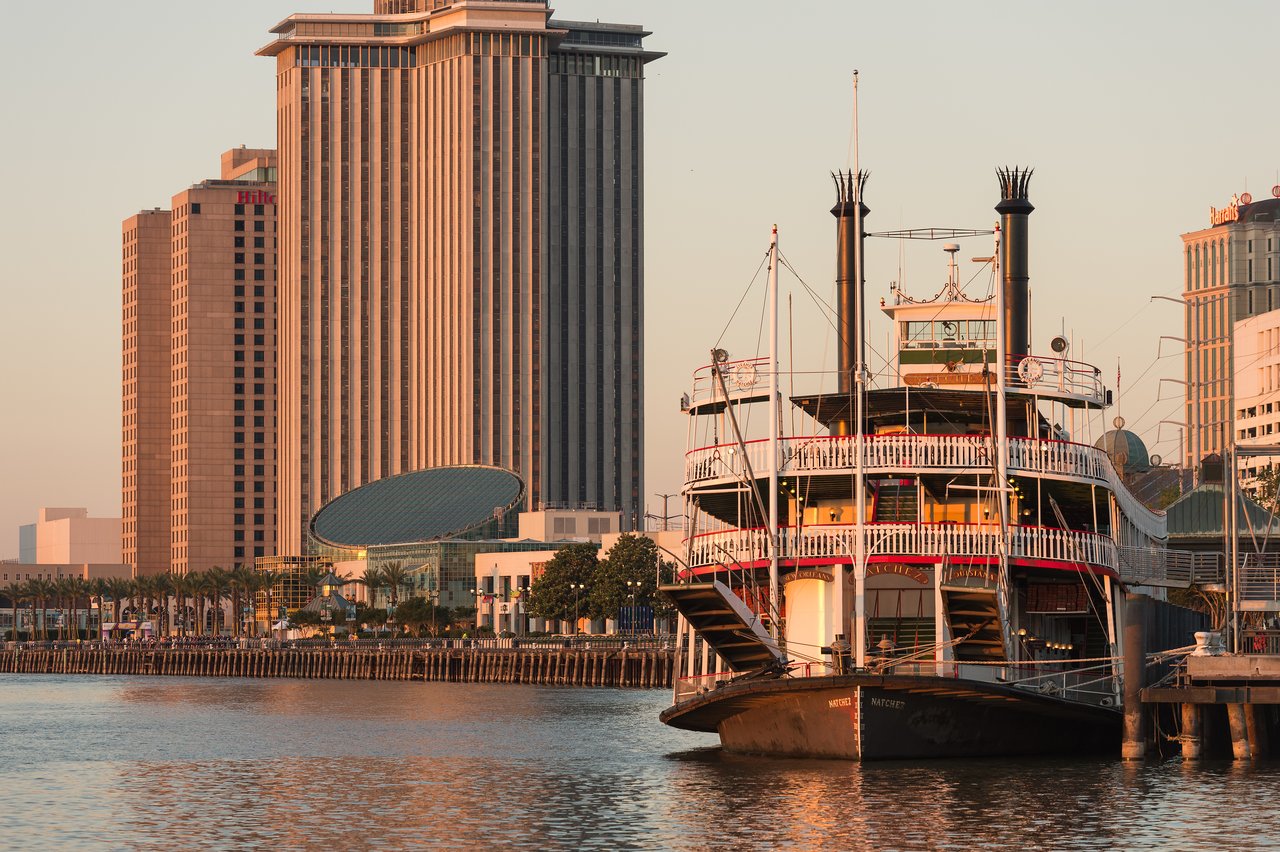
pixel 255 197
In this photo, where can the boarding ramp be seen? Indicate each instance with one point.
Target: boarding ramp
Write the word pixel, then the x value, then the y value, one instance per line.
pixel 726 624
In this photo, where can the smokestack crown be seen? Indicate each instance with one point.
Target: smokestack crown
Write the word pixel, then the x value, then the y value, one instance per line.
pixel 1013 190
pixel 845 194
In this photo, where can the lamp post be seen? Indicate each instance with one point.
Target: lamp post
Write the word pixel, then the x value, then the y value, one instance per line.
pixel 433 595
pixel 521 592
pixel 577 591
pixel 633 586
pixel 479 593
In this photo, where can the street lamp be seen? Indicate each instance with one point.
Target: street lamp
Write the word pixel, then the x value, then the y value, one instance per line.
pixel 521 592
pixel 433 595
pixel 477 594
pixel 633 586
pixel 578 588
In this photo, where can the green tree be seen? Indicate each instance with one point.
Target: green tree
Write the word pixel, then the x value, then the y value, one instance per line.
pixel 414 613
pixel 1268 485
pixel 551 595
pixel 628 576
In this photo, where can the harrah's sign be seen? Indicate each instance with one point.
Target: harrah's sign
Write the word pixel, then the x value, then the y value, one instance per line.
pixel 254 197
pixel 1230 213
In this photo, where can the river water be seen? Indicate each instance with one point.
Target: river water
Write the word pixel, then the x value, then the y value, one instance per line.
pixel 174 763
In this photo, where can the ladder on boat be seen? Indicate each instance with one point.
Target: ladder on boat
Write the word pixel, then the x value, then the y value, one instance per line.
pixel 726 624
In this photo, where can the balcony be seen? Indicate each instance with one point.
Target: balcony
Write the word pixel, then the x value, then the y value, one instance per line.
pixel 889 454
pixel 835 542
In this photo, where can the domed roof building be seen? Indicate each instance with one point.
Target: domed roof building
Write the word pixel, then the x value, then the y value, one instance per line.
pixel 1127 452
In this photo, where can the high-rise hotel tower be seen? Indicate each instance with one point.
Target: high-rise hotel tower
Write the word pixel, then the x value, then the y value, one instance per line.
pixel 198 478
pixel 461 255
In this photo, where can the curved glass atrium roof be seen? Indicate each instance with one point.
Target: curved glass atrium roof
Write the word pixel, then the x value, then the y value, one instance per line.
pixel 425 505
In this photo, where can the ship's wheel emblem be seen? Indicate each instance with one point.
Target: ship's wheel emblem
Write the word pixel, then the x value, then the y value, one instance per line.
pixel 744 376
pixel 1030 370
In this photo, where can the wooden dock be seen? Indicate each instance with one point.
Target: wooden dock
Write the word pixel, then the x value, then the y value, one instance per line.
pixel 1229 706
pixel 643 668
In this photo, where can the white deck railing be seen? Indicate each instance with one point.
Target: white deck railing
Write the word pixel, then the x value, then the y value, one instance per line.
pixel 835 541
pixel 896 454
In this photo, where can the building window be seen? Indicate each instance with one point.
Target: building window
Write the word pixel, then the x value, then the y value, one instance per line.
pixel 259 225
pixel 195 207
pixel 239 242
pixel 239 226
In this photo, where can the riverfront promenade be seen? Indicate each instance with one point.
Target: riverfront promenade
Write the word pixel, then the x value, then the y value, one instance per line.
pixel 641 668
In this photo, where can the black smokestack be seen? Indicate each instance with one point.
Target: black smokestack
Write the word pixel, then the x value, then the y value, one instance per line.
pixel 1014 208
pixel 849 301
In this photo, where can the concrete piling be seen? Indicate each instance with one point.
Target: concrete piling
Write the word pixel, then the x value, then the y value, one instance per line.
pixel 1134 745
pixel 1192 731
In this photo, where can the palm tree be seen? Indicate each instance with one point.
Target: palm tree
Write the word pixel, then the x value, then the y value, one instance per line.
pixel 78 588
pixel 162 588
pixel 40 591
pixel 16 592
pixel 118 589
pixel 394 578
pixel 99 588
pixel 373 580
pixel 243 582
pixel 216 585
pixel 268 580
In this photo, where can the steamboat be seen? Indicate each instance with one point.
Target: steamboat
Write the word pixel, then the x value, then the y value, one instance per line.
pixel 927 564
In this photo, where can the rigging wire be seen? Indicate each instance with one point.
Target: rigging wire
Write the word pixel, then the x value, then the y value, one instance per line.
pixel 745 293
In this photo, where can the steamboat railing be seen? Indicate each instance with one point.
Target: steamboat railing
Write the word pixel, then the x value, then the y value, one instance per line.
pixel 896 454
pixel 1056 377
pixel 1148 566
pixel 836 542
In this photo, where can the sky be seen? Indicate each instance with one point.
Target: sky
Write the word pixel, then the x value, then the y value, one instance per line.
pixel 1137 117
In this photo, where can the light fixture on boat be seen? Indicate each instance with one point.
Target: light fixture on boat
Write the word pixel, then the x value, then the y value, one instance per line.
pixel 721 355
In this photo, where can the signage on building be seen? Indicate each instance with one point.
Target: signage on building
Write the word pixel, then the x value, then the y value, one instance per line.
pixel 254 196
pixel 1230 213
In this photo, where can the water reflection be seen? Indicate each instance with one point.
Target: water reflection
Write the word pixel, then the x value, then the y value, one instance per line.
pixel 159 763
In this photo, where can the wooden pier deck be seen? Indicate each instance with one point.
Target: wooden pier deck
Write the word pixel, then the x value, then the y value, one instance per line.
pixel 643 668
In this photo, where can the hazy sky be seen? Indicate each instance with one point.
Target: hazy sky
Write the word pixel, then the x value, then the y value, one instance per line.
pixel 1136 116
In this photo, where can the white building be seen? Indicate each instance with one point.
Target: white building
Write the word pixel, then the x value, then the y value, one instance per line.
pixel 1257 387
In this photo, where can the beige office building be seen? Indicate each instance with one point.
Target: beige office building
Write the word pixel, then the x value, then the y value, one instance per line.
pixel 461 252
pixel 1231 273
pixel 199 400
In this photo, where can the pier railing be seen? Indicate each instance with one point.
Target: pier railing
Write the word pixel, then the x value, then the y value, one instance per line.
pixel 888 454
pixel 1265 642
pixel 1260 577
